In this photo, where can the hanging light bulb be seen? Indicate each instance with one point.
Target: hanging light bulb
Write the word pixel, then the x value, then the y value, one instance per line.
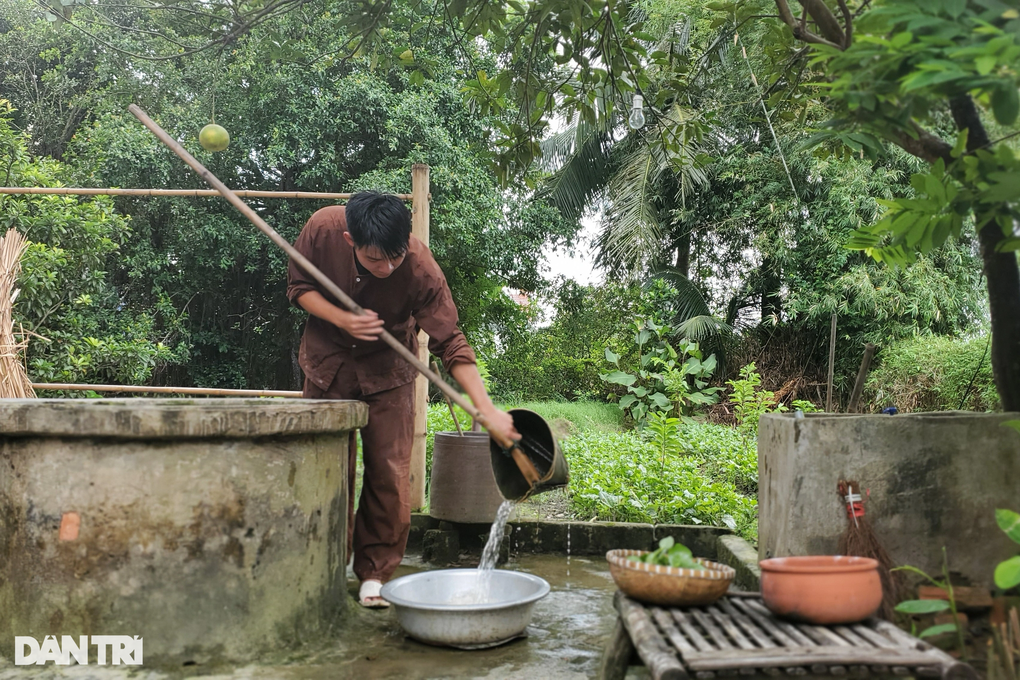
pixel 637 113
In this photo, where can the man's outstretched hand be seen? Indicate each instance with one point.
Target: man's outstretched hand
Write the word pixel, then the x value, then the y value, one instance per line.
pixel 500 424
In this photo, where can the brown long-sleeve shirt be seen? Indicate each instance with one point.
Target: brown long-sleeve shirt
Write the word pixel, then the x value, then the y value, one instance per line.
pixel 414 296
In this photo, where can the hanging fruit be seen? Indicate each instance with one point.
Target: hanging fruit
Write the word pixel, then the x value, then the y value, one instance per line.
pixel 214 137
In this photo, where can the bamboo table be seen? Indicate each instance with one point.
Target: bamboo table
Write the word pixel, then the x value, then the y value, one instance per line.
pixel 738 636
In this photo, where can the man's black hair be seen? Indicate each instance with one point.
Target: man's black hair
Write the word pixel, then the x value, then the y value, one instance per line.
pixel 380 220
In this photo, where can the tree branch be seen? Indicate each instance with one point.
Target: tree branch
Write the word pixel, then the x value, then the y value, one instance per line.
pixel 800 32
pixel 848 24
pixel 785 14
pixel 927 146
pixel 826 21
pixel 966 117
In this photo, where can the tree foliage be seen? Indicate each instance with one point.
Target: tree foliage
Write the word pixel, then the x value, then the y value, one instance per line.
pixel 765 154
pixel 303 120
pixel 78 326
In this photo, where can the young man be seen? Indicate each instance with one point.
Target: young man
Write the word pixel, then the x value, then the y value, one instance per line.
pixel 367 249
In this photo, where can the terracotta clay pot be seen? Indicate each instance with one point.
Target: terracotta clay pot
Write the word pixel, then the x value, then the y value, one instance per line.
pixel 824 590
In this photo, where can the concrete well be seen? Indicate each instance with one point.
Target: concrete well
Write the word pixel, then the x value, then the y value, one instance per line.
pixel 214 528
pixel 935 479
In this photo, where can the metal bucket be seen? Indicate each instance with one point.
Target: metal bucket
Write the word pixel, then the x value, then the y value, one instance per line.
pixel 541 446
pixel 462 488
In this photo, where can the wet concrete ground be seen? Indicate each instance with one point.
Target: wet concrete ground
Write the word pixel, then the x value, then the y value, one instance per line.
pixel 567 634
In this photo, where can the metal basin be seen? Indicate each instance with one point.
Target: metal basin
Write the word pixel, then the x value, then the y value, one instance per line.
pixel 458 608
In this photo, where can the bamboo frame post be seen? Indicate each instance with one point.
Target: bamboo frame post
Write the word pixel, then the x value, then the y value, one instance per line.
pixel 420 230
pixel 862 376
pixel 832 364
pixel 190 193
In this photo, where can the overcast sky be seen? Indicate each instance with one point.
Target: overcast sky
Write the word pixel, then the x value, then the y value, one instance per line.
pixel 579 265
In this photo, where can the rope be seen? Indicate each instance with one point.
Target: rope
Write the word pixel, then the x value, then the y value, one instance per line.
pixel 768 118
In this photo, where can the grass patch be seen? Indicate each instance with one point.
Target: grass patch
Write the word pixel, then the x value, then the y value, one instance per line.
pixel 934 373
pixel 725 454
pixel 582 415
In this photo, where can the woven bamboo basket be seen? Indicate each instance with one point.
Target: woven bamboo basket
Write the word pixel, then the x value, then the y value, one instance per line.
pixel 669 586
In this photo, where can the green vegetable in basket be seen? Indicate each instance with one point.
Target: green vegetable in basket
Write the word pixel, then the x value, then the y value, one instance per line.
pixel 669 554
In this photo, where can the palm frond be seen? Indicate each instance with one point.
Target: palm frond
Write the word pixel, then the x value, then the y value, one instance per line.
pixel 704 328
pixel 580 157
pixel 681 136
pixel 631 227
pixel 676 39
pixel 689 302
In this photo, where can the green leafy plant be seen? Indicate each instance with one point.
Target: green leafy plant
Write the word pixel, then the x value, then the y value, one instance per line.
pixel 1007 573
pixel 687 384
pixel 667 380
pixel 922 607
pixel 669 554
pixel 804 406
pixel 663 432
pixel 620 477
pixel 749 402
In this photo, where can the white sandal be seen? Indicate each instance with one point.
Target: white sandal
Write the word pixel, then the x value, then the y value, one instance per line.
pixel 368 595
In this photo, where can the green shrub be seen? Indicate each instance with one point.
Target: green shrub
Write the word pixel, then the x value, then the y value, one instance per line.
pixel 932 373
pixel 623 477
pixel 563 359
pixel 81 326
pixel 724 455
pixel 664 378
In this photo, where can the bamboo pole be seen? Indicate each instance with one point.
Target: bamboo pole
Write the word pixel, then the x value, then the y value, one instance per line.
pixel 420 230
pixel 198 391
pixel 453 413
pixel 832 364
pixel 862 376
pixel 520 458
pixel 191 193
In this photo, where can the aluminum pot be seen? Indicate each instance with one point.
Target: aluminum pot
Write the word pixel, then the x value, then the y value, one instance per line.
pixel 450 607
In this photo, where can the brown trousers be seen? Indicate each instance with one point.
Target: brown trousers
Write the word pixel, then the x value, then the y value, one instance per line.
pixel 383 520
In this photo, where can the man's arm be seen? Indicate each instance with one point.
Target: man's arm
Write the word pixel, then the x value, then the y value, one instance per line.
pixel 365 326
pixel 369 326
pixel 470 381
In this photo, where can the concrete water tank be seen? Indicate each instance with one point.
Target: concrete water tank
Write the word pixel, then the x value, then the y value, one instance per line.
pixel 214 529
pixel 931 480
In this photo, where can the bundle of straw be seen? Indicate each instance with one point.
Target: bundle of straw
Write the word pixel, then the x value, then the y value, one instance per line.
pixel 14 382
